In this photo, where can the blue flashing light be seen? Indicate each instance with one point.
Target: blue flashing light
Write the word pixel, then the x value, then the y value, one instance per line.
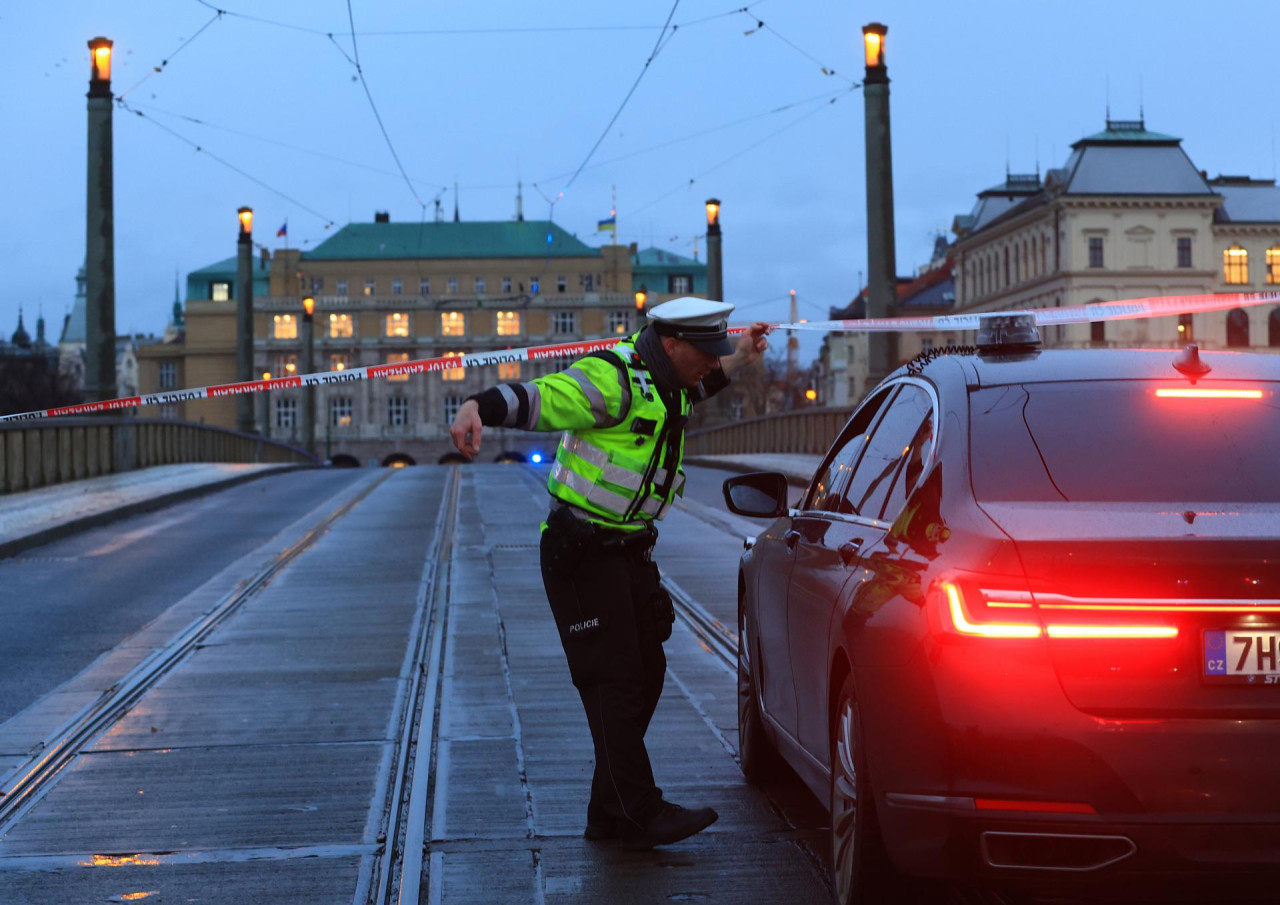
pixel 548 237
pixel 536 458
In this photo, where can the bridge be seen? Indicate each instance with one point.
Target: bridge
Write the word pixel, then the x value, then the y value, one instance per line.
pixel 294 683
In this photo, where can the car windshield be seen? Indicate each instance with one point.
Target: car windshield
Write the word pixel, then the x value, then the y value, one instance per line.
pixel 1118 441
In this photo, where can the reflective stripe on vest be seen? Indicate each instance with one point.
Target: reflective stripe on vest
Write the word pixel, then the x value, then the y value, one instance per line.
pixel 614 503
pixel 614 474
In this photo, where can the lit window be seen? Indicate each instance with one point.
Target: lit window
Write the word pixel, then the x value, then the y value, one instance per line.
pixel 562 283
pixel 1185 333
pixel 342 288
pixel 338 361
pixel 451 406
pixel 220 291
pixel 1095 254
pixel 397 287
pixel 453 323
pixel 619 322
pixel 1184 251
pixel 340 411
pixel 370 286
pixel 1273 264
pixel 168 375
pixel 508 323
pixel 286 412
pixel 452 373
pixel 1235 266
pixel 424 286
pixel 340 326
pixel 395 358
pixel 479 285
pixel 286 365
pixel 509 370
pixel 398 324
pixel 453 285
pixel 564 322
pixel 285 326
pixel 398 411
pixel 680 284
pixel 506 284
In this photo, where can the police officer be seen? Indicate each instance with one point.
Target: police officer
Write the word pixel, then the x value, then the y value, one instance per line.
pixel 616 471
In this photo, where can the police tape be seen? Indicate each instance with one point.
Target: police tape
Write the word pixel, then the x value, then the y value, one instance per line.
pixel 1098 311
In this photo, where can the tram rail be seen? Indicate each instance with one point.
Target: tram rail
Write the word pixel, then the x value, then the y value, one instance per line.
pixel 32 779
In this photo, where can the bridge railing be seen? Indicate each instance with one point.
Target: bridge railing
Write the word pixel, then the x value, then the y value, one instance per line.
pixel 68 449
pixel 805 431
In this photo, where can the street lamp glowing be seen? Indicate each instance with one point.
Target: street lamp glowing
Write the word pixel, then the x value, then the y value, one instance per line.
pixel 266 375
pixel 246 220
pixel 309 306
pixel 873 42
pixel 641 298
pixel 713 212
pixel 100 52
pixel 811 394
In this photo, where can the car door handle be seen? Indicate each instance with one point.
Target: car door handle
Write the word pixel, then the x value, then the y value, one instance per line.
pixel 849 550
pixel 792 538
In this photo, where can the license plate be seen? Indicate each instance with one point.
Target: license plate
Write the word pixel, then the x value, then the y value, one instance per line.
pixel 1242 656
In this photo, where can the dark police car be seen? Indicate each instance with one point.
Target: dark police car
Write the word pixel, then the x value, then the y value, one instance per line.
pixel 1023 629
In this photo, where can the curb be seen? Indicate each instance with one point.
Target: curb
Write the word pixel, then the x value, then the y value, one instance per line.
pixel 74 526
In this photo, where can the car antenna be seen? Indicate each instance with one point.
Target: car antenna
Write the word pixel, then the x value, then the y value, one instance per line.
pixel 1190 364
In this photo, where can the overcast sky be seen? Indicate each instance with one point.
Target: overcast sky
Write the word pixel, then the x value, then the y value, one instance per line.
pixel 486 93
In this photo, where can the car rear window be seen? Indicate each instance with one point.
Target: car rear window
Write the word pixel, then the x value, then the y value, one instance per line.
pixel 1118 441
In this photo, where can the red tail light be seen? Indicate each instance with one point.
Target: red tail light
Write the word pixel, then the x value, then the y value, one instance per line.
pixel 1012 614
pixel 1194 393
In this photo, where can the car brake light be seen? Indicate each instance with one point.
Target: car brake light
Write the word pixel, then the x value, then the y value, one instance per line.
pixel 993 620
pixel 1187 393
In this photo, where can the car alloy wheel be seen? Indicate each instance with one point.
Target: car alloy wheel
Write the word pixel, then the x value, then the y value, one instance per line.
pixel 757 756
pixel 859 866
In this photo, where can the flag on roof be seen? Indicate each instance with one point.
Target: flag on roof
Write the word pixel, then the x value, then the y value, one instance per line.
pixel 607 226
pixel 283 230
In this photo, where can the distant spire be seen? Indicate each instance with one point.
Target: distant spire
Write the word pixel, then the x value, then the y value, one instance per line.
pixel 40 340
pixel 456 218
pixel 21 338
pixel 519 200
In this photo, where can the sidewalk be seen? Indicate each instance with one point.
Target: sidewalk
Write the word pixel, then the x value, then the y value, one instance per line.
pixel 35 517
pixel 797 467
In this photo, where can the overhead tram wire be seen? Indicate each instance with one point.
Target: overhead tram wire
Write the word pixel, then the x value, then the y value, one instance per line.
pixel 355 49
pixel 328 221
pixel 732 157
pixel 280 144
pixel 657 48
pixel 165 62
pixel 761 25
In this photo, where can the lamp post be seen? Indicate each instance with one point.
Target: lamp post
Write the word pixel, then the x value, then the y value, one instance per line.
pixel 308 366
pixel 881 258
pixel 244 316
pixel 100 266
pixel 642 297
pixel 266 407
pixel 715 269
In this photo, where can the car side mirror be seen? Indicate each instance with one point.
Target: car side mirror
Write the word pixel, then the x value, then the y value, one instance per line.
pixel 761 494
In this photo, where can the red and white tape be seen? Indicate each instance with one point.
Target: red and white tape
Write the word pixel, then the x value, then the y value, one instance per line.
pixel 1099 311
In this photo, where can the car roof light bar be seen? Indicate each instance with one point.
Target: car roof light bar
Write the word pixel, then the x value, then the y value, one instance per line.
pixel 1007 333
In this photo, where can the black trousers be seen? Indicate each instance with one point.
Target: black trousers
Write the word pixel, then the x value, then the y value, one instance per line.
pixel 609 630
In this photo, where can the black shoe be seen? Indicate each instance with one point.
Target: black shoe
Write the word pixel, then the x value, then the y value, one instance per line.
pixel 671 824
pixel 605 830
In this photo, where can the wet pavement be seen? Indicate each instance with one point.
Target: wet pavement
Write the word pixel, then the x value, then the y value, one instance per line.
pixel 259 767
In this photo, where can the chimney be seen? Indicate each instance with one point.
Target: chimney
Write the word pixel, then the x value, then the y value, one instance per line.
pixel 381 217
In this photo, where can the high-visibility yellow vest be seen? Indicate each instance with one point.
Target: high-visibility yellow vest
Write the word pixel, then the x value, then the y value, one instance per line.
pixel 621 466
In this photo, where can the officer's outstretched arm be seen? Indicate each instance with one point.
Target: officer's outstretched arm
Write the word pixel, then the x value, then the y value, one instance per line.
pixel 589 393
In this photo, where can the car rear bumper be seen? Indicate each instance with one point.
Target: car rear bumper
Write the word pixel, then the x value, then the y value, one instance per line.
pixel 1109 860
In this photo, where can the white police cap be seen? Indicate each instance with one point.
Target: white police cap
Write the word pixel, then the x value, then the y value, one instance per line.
pixel 701 322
